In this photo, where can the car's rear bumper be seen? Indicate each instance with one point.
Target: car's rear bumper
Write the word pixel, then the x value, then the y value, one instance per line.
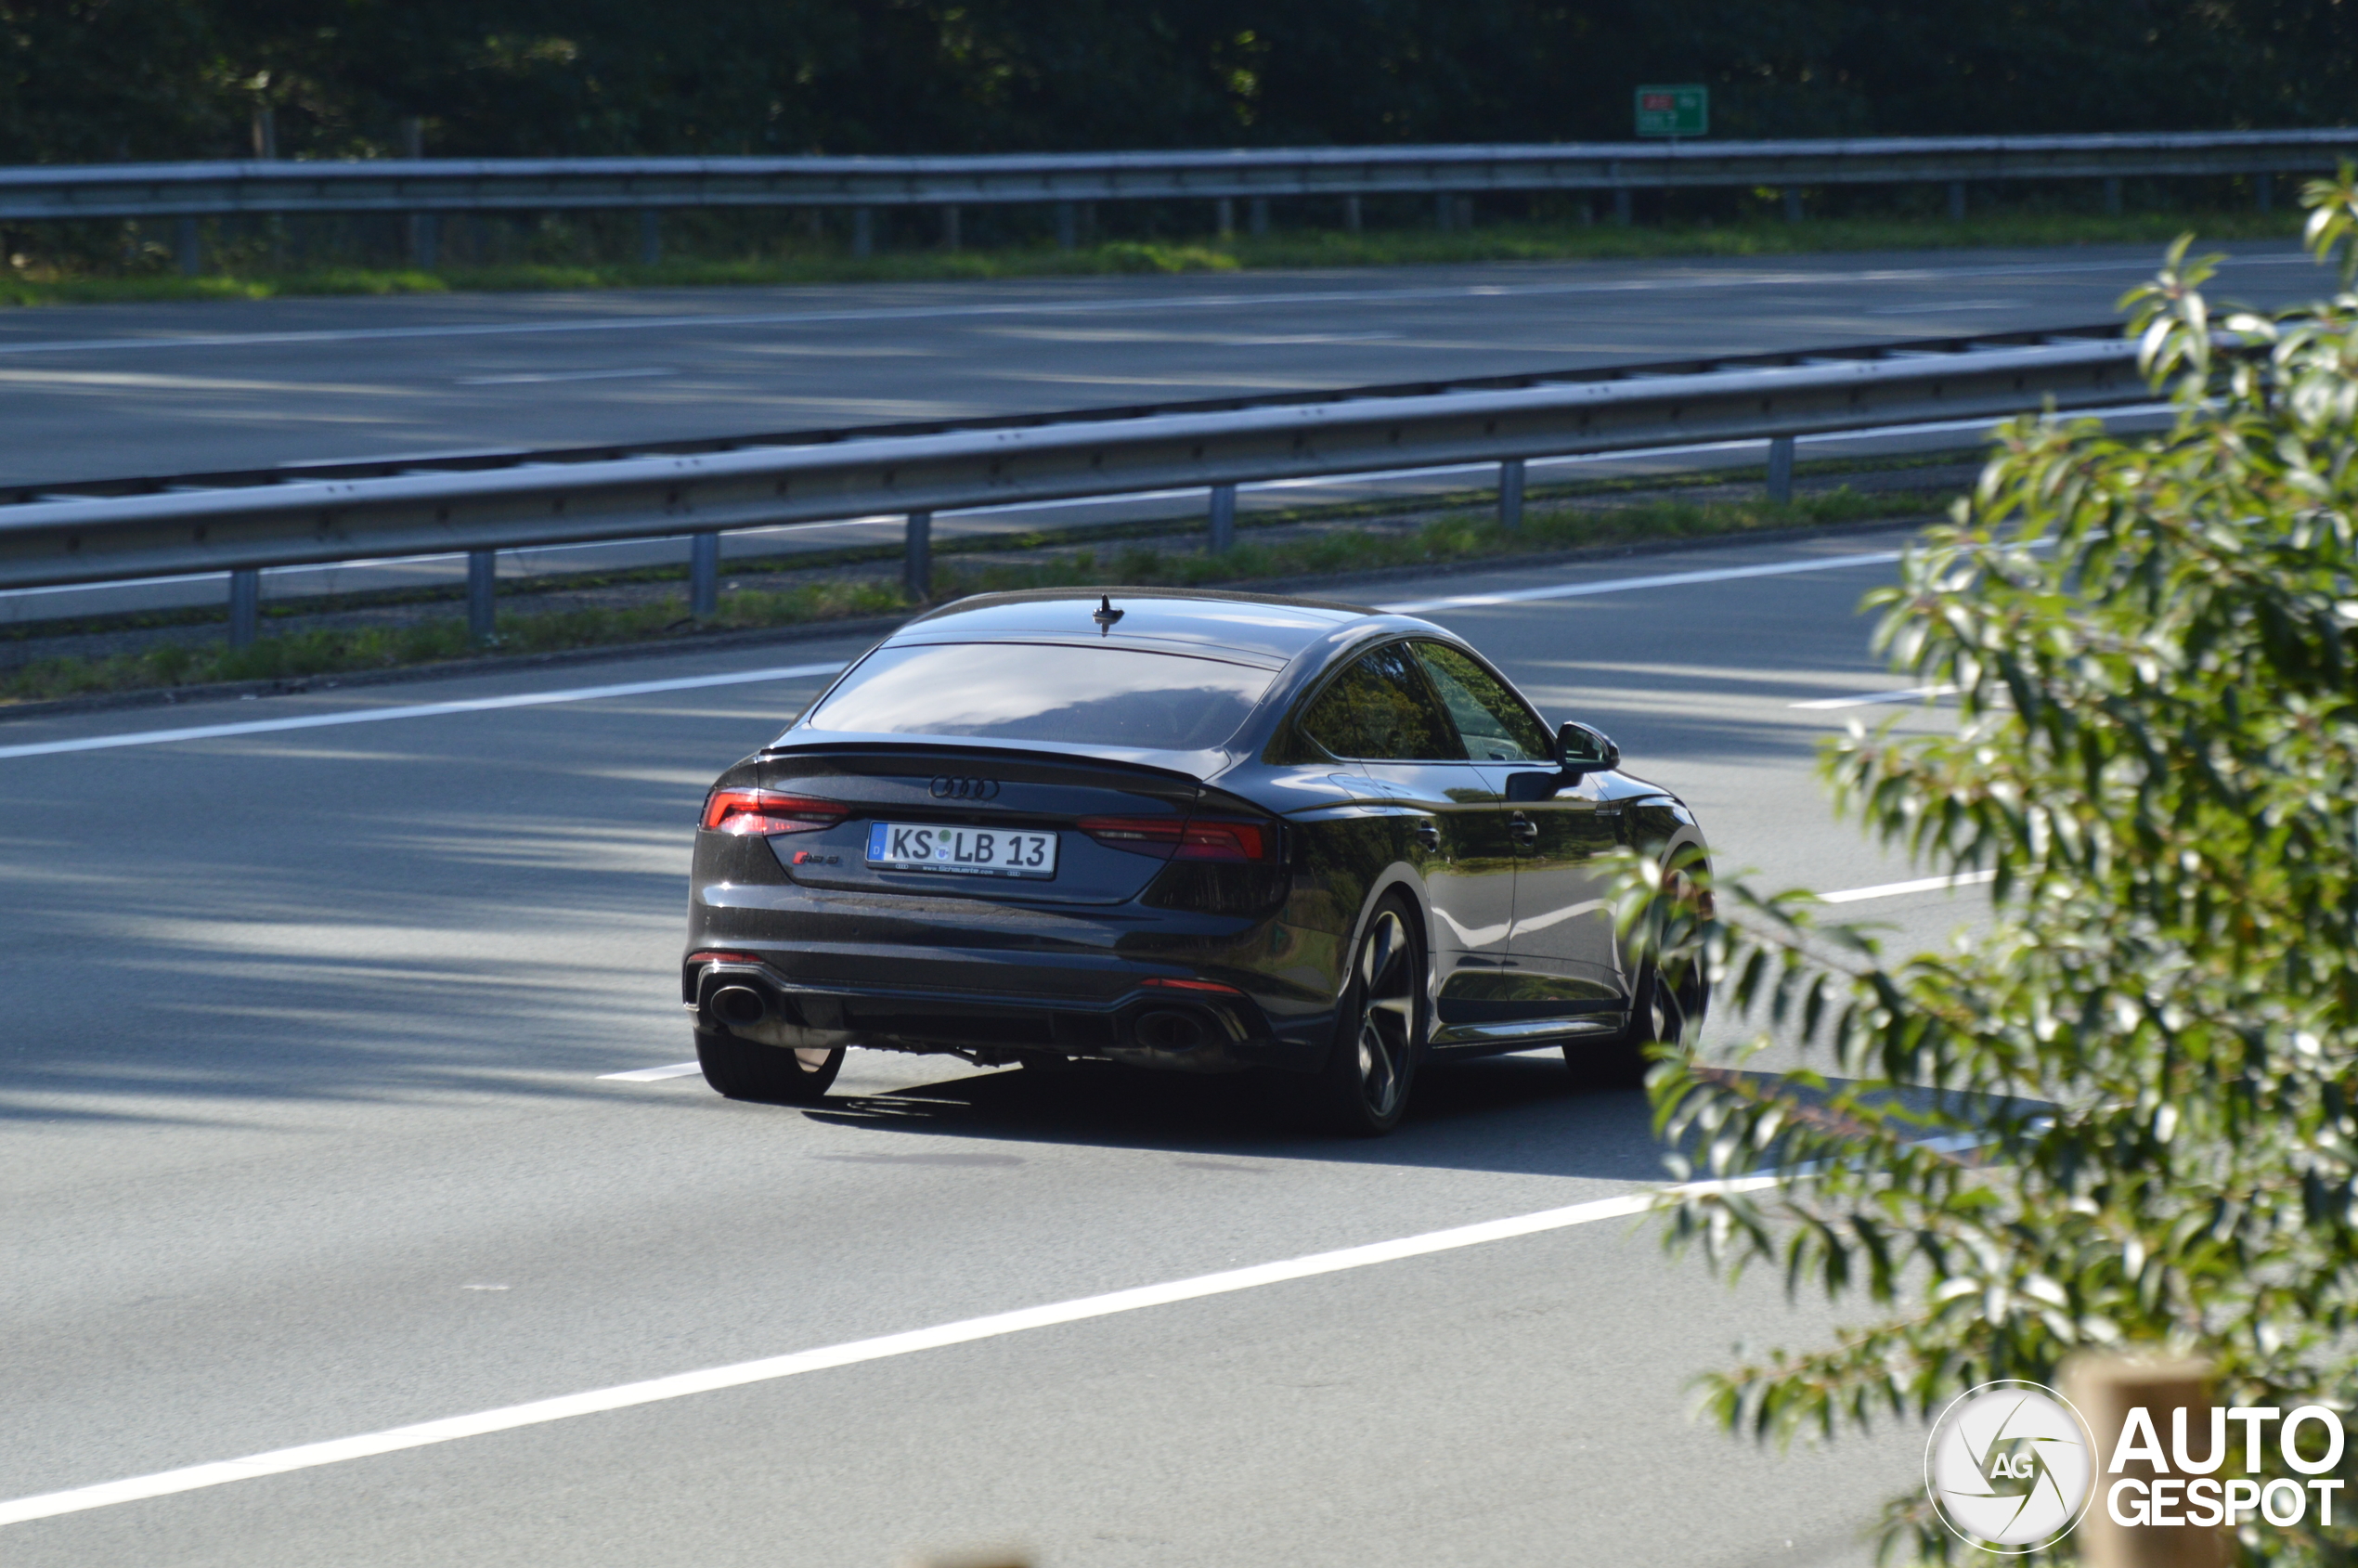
pixel 1173 1022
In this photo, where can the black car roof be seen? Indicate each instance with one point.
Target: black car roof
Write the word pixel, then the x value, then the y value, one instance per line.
pixel 1258 624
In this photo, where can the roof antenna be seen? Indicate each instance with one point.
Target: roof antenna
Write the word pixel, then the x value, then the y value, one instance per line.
pixel 1106 615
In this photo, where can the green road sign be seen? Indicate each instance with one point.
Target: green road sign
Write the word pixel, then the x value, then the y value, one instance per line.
pixel 1673 111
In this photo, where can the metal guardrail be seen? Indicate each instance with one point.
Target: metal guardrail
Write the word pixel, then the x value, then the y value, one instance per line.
pixel 476 185
pixel 425 186
pixel 121 529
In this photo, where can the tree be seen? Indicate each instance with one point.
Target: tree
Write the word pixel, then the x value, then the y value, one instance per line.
pixel 2126 1113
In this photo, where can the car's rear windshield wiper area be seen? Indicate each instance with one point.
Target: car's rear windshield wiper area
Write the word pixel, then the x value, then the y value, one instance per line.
pixel 1102 695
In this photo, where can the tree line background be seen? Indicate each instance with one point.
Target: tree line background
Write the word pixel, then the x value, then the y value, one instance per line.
pixel 94 81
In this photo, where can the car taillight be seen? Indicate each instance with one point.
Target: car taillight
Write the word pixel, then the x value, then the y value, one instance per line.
pixel 1223 839
pixel 1141 835
pixel 765 811
pixel 1185 838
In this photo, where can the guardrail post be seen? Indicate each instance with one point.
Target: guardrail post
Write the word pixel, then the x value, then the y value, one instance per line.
pixel 650 236
pixel 1792 204
pixel 1351 214
pixel 1511 494
pixel 1259 217
pixel 1068 226
pixel 1622 207
pixel 949 227
pixel 2112 196
pixel 190 248
pixel 1956 200
pixel 419 225
pixel 2104 1388
pixel 2263 190
pixel 1443 208
pixel 245 606
pixel 483 575
pixel 1225 216
pixel 704 573
pixel 864 231
pixel 1223 520
pixel 916 560
pixel 1780 470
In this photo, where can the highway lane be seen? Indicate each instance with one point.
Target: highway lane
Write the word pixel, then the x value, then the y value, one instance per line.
pixel 306 1138
pixel 90 392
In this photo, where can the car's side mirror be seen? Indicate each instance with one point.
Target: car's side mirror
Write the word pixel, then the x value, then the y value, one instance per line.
pixel 1580 749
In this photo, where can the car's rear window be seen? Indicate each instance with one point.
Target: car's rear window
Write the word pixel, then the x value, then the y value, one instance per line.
pixel 1045 691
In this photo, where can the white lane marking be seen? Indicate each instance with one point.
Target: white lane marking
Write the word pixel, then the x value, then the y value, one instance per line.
pixel 1625 585
pixel 539 1412
pixel 1285 340
pixel 1944 307
pixel 1687 284
pixel 652 1075
pixel 1922 885
pixel 562 376
pixel 417 710
pixel 1910 694
pixel 399 456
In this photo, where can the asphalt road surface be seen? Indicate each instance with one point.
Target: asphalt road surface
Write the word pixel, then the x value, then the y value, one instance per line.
pixel 310 1136
pixel 92 392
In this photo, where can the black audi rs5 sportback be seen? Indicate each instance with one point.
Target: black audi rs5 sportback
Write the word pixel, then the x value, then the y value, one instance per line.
pixel 1195 831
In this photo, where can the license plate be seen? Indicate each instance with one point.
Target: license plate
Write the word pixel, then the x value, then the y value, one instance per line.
pixel 962 852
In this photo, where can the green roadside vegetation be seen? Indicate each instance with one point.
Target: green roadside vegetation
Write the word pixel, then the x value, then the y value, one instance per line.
pixel 2111 1130
pixel 803 260
pixel 1456 536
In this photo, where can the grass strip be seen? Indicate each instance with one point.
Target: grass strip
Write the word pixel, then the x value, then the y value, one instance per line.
pixel 1302 249
pixel 1457 537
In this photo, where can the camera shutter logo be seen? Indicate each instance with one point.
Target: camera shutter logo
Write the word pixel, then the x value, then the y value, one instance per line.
pixel 2010 1467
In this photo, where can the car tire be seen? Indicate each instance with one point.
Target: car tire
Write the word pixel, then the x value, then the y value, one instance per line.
pixel 1657 1013
pixel 1380 1029
pixel 743 1071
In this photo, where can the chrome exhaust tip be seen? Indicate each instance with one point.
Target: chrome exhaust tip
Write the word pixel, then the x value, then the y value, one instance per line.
pixel 740 1005
pixel 1165 1030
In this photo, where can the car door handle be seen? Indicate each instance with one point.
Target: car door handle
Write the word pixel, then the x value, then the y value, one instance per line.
pixel 1429 834
pixel 1521 828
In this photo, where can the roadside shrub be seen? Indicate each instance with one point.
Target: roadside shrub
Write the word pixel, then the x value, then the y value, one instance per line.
pixel 2125 1114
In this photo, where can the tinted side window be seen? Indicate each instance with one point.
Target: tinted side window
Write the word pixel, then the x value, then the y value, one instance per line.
pixel 1380 708
pixel 1496 726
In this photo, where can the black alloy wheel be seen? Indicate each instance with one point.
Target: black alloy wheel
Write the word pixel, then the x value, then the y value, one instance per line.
pixel 1381 1031
pixel 743 1071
